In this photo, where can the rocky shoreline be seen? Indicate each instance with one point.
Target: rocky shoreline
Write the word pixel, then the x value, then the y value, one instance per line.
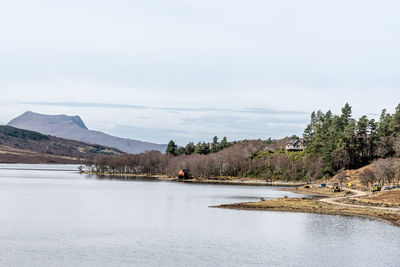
pixel 318 204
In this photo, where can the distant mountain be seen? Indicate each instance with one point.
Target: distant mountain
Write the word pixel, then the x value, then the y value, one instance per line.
pixel 72 127
pixel 23 146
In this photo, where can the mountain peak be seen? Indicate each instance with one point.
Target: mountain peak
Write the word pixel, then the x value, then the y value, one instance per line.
pixel 34 118
pixel 78 121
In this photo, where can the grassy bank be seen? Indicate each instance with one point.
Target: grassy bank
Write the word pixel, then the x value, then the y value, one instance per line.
pixel 388 199
pixel 315 205
pixel 317 191
pixel 312 205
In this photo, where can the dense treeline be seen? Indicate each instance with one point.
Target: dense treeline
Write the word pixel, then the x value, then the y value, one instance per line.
pixel 333 143
pixel 202 148
pixel 345 143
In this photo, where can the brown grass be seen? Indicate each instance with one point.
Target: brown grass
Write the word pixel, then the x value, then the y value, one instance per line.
pixel 15 155
pixel 310 205
pixel 383 199
pixel 316 191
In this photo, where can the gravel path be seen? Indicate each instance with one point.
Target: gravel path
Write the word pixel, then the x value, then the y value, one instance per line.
pixel 357 193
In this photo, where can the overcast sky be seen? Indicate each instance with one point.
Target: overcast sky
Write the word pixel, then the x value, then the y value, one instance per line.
pixel 189 70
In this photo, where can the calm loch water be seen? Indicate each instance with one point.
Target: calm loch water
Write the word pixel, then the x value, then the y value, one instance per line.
pixel 52 216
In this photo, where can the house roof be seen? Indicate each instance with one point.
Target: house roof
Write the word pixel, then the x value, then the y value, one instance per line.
pixel 295 141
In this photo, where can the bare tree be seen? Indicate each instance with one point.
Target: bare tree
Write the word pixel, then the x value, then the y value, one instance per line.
pixel 385 146
pixel 314 167
pixel 340 158
pixel 246 158
pixel 367 176
pixel 385 170
pixel 341 176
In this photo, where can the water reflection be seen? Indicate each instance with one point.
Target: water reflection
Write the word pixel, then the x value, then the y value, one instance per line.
pixel 121 177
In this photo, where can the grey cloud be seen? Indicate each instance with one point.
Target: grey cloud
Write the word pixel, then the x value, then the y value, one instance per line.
pixel 182 137
pixel 327 54
pixel 158 135
pixel 170 109
pixel 236 124
pixel 273 111
pixel 248 128
pixel 241 122
pixel 274 57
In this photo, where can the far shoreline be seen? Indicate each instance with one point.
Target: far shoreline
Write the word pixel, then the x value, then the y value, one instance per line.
pixel 217 180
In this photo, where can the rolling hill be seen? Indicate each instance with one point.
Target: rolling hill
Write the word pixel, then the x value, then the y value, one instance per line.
pixel 23 146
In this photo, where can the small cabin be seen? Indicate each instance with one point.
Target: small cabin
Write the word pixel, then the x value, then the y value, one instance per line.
pixel 295 145
pixel 184 174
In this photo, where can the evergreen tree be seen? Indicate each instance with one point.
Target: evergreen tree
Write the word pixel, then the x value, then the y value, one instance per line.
pixel 180 151
pixel 310 129
pixel 373 138
pixel 346 114
pixel 205 148
pixel 198 148
pixel 349 138
pixel 394 123
pixel 223 144
pixel 190 148
pixel 362 129
pixel 214 145
pixel 384 124
pixel 171 148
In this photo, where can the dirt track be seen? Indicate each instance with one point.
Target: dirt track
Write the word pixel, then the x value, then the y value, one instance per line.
pixel 357 194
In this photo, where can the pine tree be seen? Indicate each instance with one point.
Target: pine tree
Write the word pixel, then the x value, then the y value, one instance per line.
pixel 171 148
pixel 190 148
pixel 223 144
pixel 384 124
pixel 346 114
pixel 362 138
pixel 205 148
pixel 394 123
pixel 214 145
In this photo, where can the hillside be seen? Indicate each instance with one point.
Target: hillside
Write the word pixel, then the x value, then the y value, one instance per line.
pixel 23 146
pixel 72 127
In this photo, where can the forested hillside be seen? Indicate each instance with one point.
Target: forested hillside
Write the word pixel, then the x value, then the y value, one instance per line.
pixel 344 142
pixel 333 143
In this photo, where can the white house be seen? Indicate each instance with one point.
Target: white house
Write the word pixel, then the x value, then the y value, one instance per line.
pixel 295 145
